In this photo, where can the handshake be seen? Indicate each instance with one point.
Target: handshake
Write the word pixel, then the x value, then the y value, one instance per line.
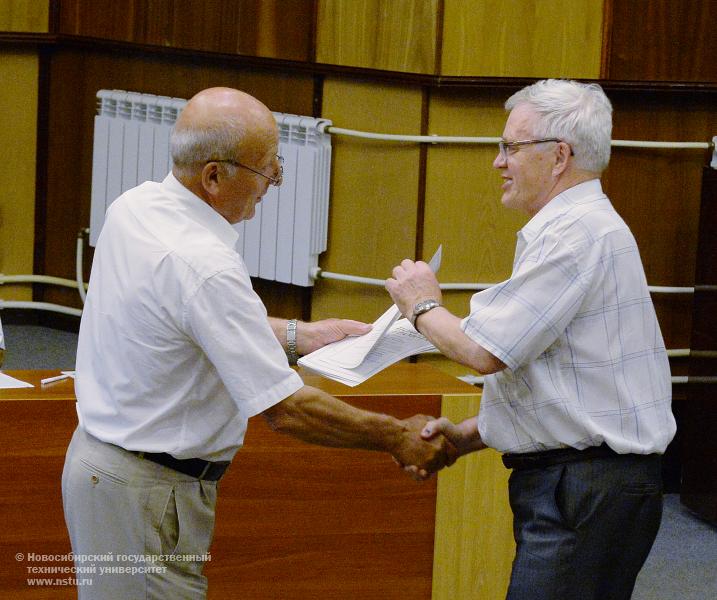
pixel 427 445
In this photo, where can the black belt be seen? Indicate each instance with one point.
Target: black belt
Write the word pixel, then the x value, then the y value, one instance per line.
pixel 546 458
pixel 194 467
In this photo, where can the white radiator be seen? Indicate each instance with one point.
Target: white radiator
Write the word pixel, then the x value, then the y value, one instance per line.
pixel 289 231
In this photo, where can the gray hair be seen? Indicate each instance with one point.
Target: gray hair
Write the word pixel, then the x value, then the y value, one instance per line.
pixel 190 146
pixel 578 113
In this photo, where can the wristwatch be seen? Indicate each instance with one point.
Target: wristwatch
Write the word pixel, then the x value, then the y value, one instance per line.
pixel 423 307
pixel 291 353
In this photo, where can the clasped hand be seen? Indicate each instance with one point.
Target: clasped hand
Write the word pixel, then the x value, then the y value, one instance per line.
pixel 421 457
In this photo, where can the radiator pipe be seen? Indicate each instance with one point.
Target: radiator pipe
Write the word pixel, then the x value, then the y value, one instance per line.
pixel 79 280
pixel 446 139
pixel 318 273
pixel 676 379
pixel 40 306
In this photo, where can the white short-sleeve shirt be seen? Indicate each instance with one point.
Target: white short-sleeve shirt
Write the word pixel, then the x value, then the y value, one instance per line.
pixel 175 350
pixel 577 329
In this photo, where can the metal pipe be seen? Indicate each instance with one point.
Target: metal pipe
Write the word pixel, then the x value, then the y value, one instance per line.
pixel 676 379
pixel 38 279
pixel 317 273
pixel 448 139
pixel 79 280
pixel 40 306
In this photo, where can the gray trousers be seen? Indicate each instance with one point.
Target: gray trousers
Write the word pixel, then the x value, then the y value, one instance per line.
pixel 584 529
pixel 138 529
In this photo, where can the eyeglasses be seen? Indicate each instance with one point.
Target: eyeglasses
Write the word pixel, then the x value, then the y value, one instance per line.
pixel 504 148
pixel 276 180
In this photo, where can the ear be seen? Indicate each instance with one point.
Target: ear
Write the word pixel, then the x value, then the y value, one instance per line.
pixel 210 178
pixel 562 158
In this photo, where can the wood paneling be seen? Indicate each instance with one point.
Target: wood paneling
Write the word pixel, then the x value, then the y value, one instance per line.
pixel 398 36
pixel 18 119
pixel 75 78
pixel 372 216
pixel 699 412
pixel 474 548
pixel 463 210
pixel 662 40
pixel 657 192
pixel 24 15
pixel 298 522
pixel 522 38
pixel 294 521
pixel 253 27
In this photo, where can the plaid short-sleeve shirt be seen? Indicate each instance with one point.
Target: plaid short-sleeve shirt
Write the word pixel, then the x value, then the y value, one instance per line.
pixel 577 329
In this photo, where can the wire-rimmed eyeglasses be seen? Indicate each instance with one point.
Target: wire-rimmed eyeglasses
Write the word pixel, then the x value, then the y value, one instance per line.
pixel 504 148
pixel 275 180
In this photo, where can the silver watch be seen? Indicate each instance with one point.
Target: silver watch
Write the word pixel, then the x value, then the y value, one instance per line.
pixel 423 307
pixel 291 353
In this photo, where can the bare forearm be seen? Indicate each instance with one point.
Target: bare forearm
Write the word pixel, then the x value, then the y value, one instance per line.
pixel 278 326
pixel 444 331
pixel 318 418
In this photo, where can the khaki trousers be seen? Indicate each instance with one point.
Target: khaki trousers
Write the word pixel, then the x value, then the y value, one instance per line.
pixel 138 529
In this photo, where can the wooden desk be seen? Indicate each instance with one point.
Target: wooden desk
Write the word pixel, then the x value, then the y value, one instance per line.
pixel 294 521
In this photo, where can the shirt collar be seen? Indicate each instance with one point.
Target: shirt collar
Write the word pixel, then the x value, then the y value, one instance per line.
pixel 200 211
pixel 560 205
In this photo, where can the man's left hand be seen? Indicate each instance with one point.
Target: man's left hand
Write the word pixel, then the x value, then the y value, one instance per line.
pixel 315 335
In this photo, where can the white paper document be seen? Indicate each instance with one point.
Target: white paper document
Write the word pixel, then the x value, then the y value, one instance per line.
pixel 400 341
pixel 7 382
pixel 355 359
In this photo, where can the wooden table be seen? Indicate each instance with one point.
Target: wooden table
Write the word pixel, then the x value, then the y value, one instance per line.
pixel 294 521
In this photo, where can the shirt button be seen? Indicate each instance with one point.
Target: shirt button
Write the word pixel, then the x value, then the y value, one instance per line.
pixel 95 480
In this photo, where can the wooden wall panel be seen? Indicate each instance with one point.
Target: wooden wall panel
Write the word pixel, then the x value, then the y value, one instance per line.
pixel 662 40
pixel 474 546
pixel 522 38
pixel 24 15
pixel 398 36
pixel 75 78
pixel 253 27
pixel 699 413
pixel 463 210
pixel 374 195
pixel 18 134
pixel 657 192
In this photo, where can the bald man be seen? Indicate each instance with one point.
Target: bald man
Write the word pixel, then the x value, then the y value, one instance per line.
pixel 176 353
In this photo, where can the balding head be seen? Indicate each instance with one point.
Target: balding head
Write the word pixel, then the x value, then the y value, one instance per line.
pixel 219 123
pixel 224 148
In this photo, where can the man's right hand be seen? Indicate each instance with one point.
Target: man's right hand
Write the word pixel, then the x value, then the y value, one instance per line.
pixel 424 456
pixel 463 438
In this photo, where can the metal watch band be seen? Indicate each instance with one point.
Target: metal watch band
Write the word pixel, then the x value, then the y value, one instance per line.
pixel 423 307
pixel 291 341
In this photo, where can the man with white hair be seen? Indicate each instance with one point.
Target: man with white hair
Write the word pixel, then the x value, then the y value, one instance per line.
pixel 577 392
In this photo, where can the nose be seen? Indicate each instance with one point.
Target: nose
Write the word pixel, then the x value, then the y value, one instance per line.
pixel 499 162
